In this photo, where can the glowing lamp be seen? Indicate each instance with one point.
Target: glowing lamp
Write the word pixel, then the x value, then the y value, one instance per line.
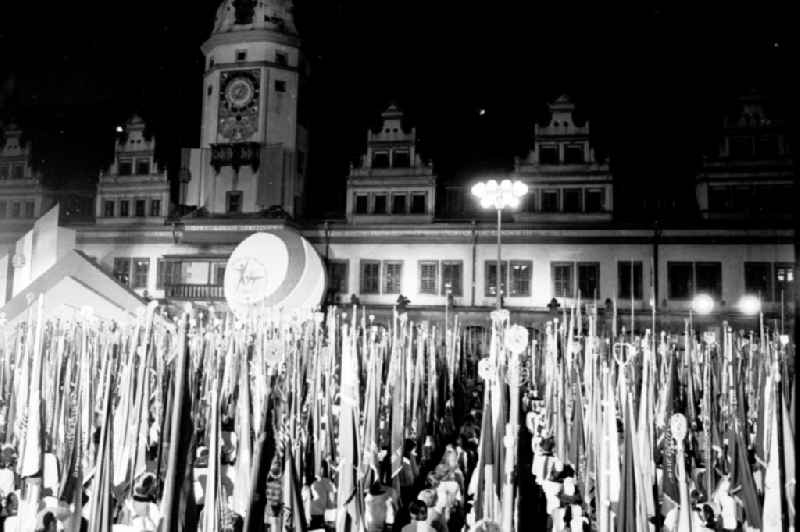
pixel 749 305
pixel 703 304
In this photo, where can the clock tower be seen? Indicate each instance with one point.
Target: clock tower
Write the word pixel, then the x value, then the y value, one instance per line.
pixel 253 145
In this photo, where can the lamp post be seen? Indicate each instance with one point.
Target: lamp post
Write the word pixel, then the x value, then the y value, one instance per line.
pixel 499 196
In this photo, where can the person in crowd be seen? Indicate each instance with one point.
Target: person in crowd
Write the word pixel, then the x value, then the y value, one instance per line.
pixel 408 472
pixel 275 494
pixel 569 515
pixel 47 523
pixel 434 516
pixel 727 505
pixel 8 477
pixel 141 512
pixel 10 512
pixel 543 460
pixel 380 509
pixel 419 523
pixel 321 493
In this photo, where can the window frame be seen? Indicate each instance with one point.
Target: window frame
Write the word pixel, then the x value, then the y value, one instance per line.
pixel 385 287
pixel 3 209
pixel 601 205
pixel 140 165
pixel 16 210
pixel 233 194
pixel 363 289
pixel 136 211
pixel 769 293
pixel 492 264
pixel 671 265
pixel 715 291
pixel 358 196
pixel 417 195
pixel 116 270
pixel 106 204
pixel 30 209
pixel 551 191
pixel 279 85
pixel 345 279
pixel 396 197
pixel 624 288
pixel 549 147
pixel 403 152
pixel 578 148
pixel 125 163
pixel 126 204
pixel 577 192
pixel 135 273
pixel 153 211
pixel 378 155
pixel 420 288
pixel 555 282
pixel 789 293
pixel 375 209
pixel 512 281
pixel 582 266
pixel 460 265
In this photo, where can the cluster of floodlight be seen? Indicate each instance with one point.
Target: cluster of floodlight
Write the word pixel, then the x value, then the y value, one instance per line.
pixel 506 193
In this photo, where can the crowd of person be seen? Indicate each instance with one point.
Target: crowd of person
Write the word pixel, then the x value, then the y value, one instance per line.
pixel 441 469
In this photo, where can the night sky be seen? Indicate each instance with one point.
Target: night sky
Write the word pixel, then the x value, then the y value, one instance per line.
pixel 653 79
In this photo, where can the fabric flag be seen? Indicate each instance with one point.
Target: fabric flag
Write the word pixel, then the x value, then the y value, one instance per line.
pixel 485 470
pixel 789 474
pixel 772 518
pixel 349 513
pixel 669 482
pixel 262 460
pixel 296 519
pixel 500 430
pixel 31 455
pixel 181 432
pixel 398 406
pixel 244 451
pixel 213 494
pixel 743 478
pixel 100 516
pixel 627 520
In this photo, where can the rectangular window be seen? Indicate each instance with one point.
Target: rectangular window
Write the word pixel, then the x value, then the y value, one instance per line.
pixel 572 199
pixel 142 167
pixel 624 268
pixel 161 272
pixel 708 278
pixel 280 85
pixel 125 167
pixel 4 172
pixel 589 280
pixel 108 209
pixel 122 269
pixel 19 171
pixel 548 155
pixel 337 276
pixel 370 276
pixel 123 208
pixel 757 279
pixel 398 204
pixel 218 273
pixel 784 282
pixel 141 269
pixel 529 202
pixel 29 209
pixel 361 204
pixel 2 209
pixel 451 277
pixel 680 280
pixel 380 159
pixel 233 201
pixel 491 277
pixel 392 277
pixel 573 154
pixel 16 210
pixel 401 159
pixel 139 208
pixel 594 200
pixel 155 207
pixel 767 147
pixel 719 199
pixel 741 147
pixel 562 279
pixel 380 204
pixel 521 272
pixel 427 277
pixel 550 201
pixel 281 58
pixel 241 55
pixel 417 203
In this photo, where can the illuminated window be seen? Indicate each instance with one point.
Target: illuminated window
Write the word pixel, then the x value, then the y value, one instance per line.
pixel 337 276
pixel 784 281
pixel 562 279
pixel 452 276
pixel 589 280
pixel 491 277
pixel 370 276
pixel 392 277
pixel 521 272
pixel 427 277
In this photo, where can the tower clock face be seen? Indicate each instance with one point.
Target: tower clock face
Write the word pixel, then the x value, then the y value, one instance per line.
pixel 238 105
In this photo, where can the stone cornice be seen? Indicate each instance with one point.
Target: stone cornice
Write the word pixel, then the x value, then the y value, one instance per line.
pixel 249 36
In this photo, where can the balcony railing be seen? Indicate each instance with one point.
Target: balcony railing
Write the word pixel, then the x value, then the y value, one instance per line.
pixel 194 291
